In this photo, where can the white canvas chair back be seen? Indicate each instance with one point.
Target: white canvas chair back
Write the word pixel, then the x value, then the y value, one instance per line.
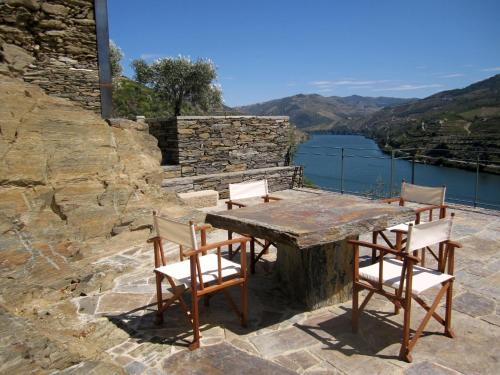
pixel 248 189
pixel 427 234
pixel 423 194
pixel 174 231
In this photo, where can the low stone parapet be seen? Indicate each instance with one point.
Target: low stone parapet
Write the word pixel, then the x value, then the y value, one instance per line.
pixel 200 199
pixel 279 178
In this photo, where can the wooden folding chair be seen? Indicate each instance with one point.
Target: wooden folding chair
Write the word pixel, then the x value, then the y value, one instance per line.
pixel 433 197
pixel 246 190
pixel 201 275
pixel 404 280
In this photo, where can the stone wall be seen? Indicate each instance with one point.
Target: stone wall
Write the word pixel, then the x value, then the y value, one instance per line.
pixel 165 131
pixel 52 44
pixel 278 178
pixel 217 144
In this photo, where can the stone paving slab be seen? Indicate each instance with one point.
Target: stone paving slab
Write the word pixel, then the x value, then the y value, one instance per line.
pixel 284 337
pixel 220 359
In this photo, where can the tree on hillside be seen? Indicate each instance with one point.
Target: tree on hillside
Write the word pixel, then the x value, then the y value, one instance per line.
pixel 115 55
pixel 180 81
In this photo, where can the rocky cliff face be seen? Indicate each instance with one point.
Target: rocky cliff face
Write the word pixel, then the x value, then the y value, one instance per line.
pixel 73 189
pixel 52 44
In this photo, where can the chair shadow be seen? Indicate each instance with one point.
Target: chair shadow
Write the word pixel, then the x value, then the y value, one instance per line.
pixel 267 305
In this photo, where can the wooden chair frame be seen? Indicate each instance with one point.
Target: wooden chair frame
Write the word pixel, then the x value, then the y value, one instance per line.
pixel 198 287
pixel 400 238
pixel 265 245
pixel 403 296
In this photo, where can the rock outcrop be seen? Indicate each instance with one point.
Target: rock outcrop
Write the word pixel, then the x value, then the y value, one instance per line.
pixel 73 189
pixel 52 44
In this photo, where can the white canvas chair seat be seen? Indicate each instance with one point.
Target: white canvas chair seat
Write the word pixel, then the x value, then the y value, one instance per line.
pixel 423 278
pixel 402 226
pixel 181 271
pixel 245 190
pixel 398 269
pixel 202 274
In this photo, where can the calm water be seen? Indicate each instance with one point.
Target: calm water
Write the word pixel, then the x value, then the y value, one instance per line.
pixel 363 175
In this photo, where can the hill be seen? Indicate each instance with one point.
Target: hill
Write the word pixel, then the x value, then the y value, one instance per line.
pixel 448 124
pixel 315 112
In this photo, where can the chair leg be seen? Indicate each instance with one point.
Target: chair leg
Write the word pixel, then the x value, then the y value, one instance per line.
pixel 244 303
pixel 355 309
pixel 447 325
pixel 230 247
pixel 374 252
pixel 404 353
pixel 252 256
pixel 196 323
pixel 266 247
pixel 159 300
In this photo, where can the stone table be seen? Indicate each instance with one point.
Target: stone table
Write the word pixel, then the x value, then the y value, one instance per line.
pixel 313 261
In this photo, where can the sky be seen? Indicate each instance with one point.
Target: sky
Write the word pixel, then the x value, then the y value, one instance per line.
pixel 271 49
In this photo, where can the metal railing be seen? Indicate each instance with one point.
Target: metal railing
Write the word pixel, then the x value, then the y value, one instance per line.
pixel 413 156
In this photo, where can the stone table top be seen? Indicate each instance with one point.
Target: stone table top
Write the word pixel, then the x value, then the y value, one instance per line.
pixel 308 221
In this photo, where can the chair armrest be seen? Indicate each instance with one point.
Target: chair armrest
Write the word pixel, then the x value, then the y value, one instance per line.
pixel 215 245
pixel 230 204
pixel 268 198
pixel 390 200
pixel 153 239
pixel 454 244
pixel 426 208
pixel 200 227
pixel 383 248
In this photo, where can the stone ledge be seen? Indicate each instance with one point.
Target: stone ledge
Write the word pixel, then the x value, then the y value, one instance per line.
pixel 200 199
pixel 279 178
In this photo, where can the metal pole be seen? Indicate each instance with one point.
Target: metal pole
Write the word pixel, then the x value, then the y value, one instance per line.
pixel 342 172
pixel 476 186
pixel 102 35
pixel 392 173
pixel 413 169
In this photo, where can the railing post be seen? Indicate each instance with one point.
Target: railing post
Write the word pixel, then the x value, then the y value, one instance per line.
pixel 342 171
pixel 392 173
pixel 476 186
pixel 413 169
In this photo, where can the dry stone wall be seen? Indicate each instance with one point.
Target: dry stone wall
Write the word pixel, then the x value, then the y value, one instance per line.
pixel 52 44
pixel 279 178
pixel 216 144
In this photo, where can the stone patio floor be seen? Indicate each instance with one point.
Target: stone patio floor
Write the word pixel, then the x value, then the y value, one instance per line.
pixel 284 338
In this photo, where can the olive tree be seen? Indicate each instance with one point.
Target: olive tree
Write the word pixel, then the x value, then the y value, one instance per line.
pixel 181 81
pixel 115 55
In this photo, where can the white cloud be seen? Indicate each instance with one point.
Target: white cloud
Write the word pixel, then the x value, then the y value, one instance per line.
pixel 150 56
pixel 452 75
pixel 345 82
pixel 420 67
pixel 494 69
pixel 409 87
pixel 291 84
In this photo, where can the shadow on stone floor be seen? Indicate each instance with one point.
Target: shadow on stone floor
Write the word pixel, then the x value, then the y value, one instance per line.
pixel 377 332
pixel 268 307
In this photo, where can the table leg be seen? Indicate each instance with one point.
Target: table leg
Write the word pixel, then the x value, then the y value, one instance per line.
pixel 318 276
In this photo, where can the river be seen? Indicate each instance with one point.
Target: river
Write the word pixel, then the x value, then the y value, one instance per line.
pixel 367 171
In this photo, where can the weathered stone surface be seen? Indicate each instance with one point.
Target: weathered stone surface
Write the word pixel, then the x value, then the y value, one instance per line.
pixel 276 343
pixel 201 198
pixel 52 44
pixel 217 144
pixel 278 178
pixel 67 180
pixel 16 57
pixel 474 304
pixel 429 368
pixel 311 221
pixel 220 359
